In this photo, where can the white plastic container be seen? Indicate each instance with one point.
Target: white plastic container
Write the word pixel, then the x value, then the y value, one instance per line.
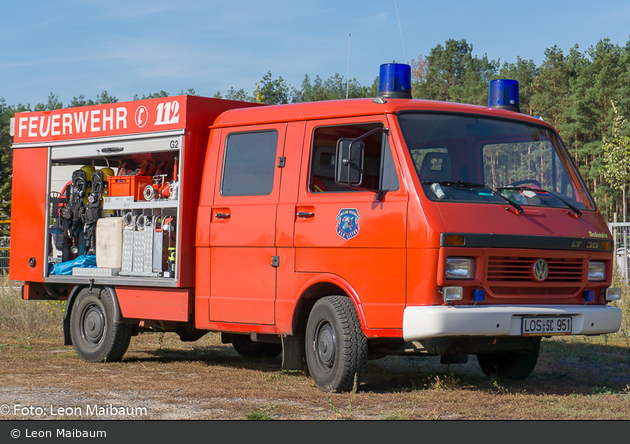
pixel 109 235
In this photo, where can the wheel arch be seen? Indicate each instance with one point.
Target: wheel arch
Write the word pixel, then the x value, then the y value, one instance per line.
pixel 67 339
pixel 316 288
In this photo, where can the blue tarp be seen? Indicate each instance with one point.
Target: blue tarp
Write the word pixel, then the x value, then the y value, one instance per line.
pixel 65 268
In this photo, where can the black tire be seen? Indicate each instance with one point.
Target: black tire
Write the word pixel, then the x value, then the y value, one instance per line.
pixel 95 336
pixel 336 348
pixel 247 348
pixel 510 365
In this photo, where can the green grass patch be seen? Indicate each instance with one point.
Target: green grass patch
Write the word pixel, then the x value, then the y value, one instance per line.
pixel 260 414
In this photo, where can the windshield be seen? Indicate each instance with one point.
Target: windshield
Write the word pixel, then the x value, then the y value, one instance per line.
pixel 474 159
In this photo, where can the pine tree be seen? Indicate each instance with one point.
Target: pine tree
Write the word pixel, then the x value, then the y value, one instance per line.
pixel 616 155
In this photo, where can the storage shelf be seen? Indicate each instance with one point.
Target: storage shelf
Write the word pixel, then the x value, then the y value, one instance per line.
pixel 128 281
pixel 141 204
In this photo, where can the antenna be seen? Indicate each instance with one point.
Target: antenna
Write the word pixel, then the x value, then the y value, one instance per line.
pixel 400 28
pixel 348 73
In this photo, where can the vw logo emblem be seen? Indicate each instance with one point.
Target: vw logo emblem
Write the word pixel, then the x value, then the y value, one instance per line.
pixel 540 270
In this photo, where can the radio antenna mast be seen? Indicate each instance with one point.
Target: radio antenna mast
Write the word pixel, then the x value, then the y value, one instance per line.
pixel 400 28
pixel 348 73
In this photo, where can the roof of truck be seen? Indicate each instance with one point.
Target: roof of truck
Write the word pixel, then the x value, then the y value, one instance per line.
pixel 353 108
pixel 160 115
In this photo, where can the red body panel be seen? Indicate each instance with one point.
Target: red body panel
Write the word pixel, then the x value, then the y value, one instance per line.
pixel 155 303
pixel 28 211
pixel 501 219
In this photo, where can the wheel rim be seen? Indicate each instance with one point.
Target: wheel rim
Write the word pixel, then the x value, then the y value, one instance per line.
pixel 92 325
pixel 325 345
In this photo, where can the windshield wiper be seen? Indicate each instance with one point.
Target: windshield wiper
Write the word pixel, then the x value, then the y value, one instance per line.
pixel 577 212
pixel 463 184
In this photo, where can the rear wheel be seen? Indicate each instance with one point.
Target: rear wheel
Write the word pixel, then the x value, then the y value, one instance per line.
pixel 247 348
pixel 95 335
pixel 336 348
pixel 510 365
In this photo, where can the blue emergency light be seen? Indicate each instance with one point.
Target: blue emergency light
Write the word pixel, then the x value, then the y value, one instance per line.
pixel 394 81
pixel 504 95
pixel 479 295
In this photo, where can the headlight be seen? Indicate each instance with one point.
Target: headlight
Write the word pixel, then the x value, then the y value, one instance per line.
pixel 459 268
pixel 452 293
pixel 613 294
pixel 596 271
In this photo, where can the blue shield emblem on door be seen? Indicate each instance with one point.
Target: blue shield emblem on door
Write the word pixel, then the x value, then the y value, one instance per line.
pixel 348 223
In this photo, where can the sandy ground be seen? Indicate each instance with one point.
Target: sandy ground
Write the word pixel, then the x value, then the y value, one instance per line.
pixel 162 378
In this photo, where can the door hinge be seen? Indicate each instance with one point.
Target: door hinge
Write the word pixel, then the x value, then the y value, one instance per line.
pixel 275 261
pixel 281 162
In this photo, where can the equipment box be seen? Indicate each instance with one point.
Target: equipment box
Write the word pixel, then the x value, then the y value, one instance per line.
pixel 129 186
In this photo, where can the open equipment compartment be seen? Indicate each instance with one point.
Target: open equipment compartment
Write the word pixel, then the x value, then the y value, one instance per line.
pixel 125 216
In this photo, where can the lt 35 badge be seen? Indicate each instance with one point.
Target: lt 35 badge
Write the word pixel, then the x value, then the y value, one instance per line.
pixel 348 223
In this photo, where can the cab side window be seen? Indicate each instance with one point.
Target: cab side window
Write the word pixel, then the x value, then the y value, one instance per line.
pixel 378 166
pixel 249 163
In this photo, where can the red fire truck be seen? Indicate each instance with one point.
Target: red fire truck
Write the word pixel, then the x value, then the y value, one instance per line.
pixel 328 232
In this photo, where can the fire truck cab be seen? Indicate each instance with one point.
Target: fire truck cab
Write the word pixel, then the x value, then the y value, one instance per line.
pixel 331 232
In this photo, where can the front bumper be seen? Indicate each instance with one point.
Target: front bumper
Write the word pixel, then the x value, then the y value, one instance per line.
pixel 425 322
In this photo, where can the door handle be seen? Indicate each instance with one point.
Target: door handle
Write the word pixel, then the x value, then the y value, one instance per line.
pixel 222 215
pixel 303 214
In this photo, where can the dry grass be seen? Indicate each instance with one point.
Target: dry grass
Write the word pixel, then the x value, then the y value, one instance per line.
pixel 581 378
pixel 35 317
pixel 624 305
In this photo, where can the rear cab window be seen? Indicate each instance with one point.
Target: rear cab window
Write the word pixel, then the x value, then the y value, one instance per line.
pixel 249 163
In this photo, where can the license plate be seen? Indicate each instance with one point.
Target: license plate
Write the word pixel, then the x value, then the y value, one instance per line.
pixel 534 326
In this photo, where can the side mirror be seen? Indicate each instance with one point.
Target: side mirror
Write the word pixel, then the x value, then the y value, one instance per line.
pixel 349 162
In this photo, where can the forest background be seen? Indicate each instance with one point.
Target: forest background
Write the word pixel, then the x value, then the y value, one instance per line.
pixel 585 95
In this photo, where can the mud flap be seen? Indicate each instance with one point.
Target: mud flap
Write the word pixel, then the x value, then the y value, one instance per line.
pixel 293 353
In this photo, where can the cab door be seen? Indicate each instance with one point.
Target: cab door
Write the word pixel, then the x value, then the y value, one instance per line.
pixel 348 233
pixel 243 226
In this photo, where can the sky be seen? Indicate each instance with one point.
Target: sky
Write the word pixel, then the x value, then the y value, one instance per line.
pixel 139 47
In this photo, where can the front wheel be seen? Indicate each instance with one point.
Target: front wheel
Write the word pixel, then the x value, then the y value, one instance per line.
pixel 95 335
pixel 510 365
pixel 336 348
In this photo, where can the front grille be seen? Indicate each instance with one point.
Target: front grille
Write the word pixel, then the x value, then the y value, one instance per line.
pixel 520 269
pixel 537 291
